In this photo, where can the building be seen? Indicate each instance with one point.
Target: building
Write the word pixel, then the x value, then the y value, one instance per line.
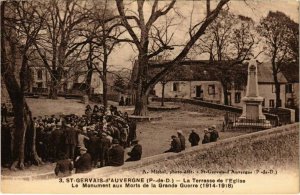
pixel 266 87
pixel 73 80
pixel 291 73
pixel 197 81
pixel 190 81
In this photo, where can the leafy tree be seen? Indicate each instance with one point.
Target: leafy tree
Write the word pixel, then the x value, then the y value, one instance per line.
pixel 119 84
pixel 280 38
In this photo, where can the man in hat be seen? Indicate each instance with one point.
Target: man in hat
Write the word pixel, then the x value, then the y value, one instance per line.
pixel 57 142
pixel 194 138
pixel 136 152
pixel 83 163
pixel 64 166
pixel 182 139
pixel 115 154
pixel 214 134
pixel 206 138
pixel 94 147
pixel 105 144
pixel 175 145
pixel 70 137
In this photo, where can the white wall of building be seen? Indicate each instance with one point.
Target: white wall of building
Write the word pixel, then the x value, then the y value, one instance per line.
pixel 96 83
pixel 211 90
pixel 265 90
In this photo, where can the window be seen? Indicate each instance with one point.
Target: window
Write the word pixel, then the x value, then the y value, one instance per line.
pixel 290 102
pixel 263 103
pixel 271 103
pixel 279 103
pixel 237 97
pixel 175 86
pixel 289 88
pixel 273 89
pixel 39 84
pixel 40 74
pixel 211 90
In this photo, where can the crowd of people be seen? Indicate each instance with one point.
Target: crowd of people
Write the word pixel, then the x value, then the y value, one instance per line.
pixel 178 142
pixel 96 139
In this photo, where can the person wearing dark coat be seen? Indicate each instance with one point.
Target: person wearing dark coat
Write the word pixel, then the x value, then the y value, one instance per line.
pixel 70 137
pixel 83 163
pixel 175 145
pixel 214 134
pixel 64 166
pixel 94 148
pixel 194 138
pixel 104 147
pixel 132 131
pixel 182 139
pixel 115 154
pixel 136 152
pixel 121 102
pixel 206 138
pixel 57 141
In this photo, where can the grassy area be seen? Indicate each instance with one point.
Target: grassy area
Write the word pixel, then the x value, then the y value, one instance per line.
pixel 154 136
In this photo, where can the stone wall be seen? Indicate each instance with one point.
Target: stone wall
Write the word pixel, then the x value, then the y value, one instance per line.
pixel 274 148
pixel 271 117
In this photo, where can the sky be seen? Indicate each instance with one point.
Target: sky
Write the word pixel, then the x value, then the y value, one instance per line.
pixel 256 9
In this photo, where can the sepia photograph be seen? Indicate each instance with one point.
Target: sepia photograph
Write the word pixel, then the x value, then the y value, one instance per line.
pixel 150 96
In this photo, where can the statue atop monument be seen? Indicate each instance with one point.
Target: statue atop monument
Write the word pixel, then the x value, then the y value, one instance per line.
pixel 252 102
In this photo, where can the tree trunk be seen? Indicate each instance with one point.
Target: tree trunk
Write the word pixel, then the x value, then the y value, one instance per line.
pixel 31 131
pixel 104 92
pixel 20 108
pixel 142 92
pixel 163 94
pixel 53 91
pixel 277 91
pixel 89 81
pixel 54 84
pixel 225 94
pixel 141 105
pixel 207 7
pixel 90 70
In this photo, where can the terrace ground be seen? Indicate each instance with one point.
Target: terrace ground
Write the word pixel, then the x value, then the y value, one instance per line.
pixel 154 136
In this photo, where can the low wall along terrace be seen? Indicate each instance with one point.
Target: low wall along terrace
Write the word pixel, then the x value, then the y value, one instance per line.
pixel 275 148
pixel 206 104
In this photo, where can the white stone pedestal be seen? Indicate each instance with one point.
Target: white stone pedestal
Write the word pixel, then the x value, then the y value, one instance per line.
pixel 252 115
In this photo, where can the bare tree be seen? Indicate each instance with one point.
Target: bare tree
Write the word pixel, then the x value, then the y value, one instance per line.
pixel 229 41
pixel 104 35
pixel 19 27
pixel 142 40
pixel 60 45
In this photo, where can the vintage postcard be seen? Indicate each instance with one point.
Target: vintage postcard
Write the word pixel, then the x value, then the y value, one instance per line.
pixel 150 97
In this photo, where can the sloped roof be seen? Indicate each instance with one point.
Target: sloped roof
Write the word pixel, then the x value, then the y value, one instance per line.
pixel 265 74
pixel 186 73
pixel 291 72
pixel 200 71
